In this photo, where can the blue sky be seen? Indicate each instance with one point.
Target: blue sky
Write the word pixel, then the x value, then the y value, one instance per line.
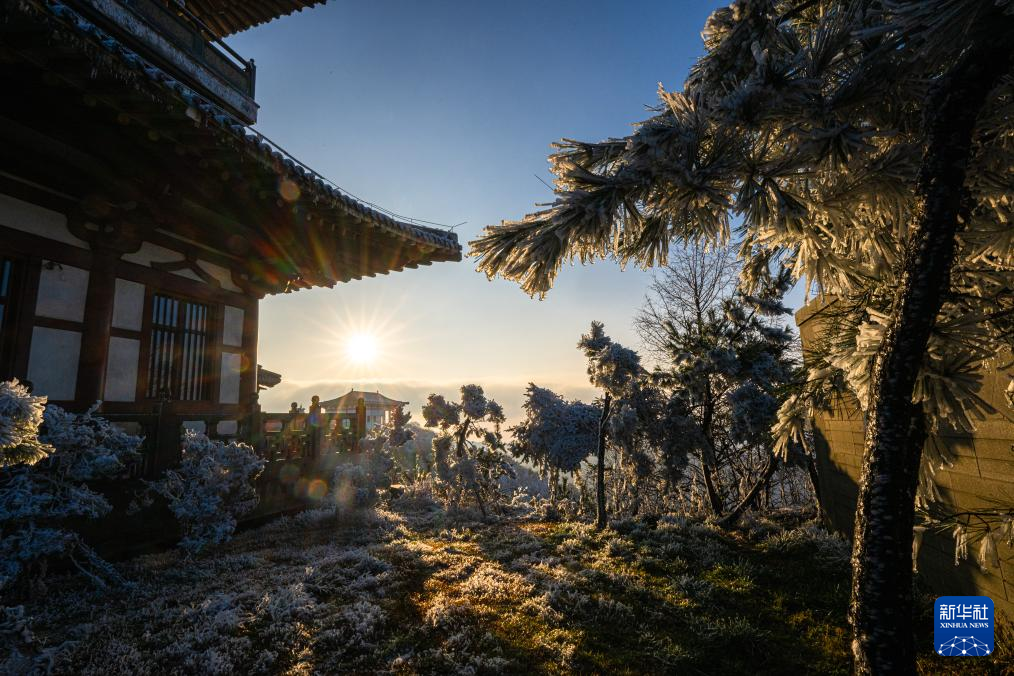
pixel 444 111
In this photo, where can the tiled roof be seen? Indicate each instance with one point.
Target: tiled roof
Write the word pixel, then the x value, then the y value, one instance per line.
pixel 372 399
pixel 255 143
pixel 226 17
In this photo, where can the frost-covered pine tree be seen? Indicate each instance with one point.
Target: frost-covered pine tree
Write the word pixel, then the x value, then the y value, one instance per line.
pixel 468 456
pixel 617 371
pixel 867 145
pixel 556 435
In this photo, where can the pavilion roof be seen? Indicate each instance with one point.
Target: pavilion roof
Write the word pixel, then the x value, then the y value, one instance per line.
pixel 371 399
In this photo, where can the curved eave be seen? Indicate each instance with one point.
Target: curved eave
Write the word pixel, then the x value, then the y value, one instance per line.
pixel 226 17
pixel 325 213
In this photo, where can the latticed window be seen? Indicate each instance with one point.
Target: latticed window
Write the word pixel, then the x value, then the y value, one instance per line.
pixel 179 363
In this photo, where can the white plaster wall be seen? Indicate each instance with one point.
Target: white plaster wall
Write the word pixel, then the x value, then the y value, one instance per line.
pixel 52 362
pixel 195 426
pixel 152 253
pixel 232 329
pixel 130 428
pixel 227 428
pixel 222 275
pixel 189 274
pixel 27 217
pixel 121 369
pixel 229 382
pixel 62 292
pixel 128 305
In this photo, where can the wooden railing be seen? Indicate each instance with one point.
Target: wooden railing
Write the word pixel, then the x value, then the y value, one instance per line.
pixel 174 39
pixel 162 430
pixel 301 459
pixel 301 450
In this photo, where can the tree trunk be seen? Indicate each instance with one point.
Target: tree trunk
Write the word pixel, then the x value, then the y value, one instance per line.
pixel 709 463
pixel 478 499
pixel 732 517
pixel 881 606
pixel 600 476
pixel 811 470
pixel 714 499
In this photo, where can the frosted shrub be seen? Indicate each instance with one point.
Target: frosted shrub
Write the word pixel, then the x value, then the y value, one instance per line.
pixel 21 414
pixel 555 434
pixel 41 492
pixel 87 447
pixel 811 539
pixel 383 443
pixel 211 489
pixel 357 485
pixel 25 654
pixel 352 487
pixel 468 457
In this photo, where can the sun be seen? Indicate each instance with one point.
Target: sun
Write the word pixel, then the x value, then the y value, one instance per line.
pixel 361 348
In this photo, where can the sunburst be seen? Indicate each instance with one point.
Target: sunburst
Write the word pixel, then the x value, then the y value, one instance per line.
pixel 362 348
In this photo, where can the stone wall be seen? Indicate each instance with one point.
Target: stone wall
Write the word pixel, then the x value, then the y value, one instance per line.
pixel 979 476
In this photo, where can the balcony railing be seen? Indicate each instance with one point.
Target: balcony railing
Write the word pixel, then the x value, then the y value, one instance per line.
pixel 175 39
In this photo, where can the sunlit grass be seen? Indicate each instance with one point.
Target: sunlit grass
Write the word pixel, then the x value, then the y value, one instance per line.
pixel 427 592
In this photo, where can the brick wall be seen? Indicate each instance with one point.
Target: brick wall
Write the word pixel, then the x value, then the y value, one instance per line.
pixel 980 476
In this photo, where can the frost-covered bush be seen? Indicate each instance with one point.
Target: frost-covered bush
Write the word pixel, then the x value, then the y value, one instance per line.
pixel 21 416
pixel 87 446
pixel 357 484
pixel 25 655
pixel 210 489
pixel 381 445
pixel 353 487
pixel 468 458
pixel 40 494
pixel 811 540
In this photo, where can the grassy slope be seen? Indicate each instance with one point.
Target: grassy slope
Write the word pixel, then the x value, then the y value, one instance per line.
pixel 412 592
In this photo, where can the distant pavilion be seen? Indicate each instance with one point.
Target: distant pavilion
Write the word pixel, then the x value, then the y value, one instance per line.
pixel 378 408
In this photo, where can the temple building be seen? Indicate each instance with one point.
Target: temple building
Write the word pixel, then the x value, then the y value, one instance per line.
pixel 142 218
pixel 376 407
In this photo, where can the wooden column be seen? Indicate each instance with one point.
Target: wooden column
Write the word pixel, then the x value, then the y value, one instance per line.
pixel 248 372
pixel 98 320
pixel 249 407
